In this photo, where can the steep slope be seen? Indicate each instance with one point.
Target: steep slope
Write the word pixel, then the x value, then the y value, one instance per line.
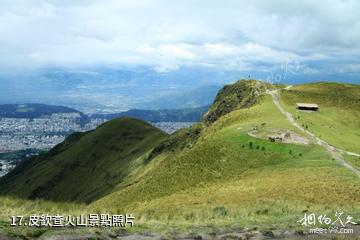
pixel 232 173
pixel 242 94
pixel 226 170
pixel 85 166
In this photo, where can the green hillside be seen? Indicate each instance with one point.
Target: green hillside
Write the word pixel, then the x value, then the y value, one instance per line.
pixel 85 166
pixel 229 176
pixel 338 120
pixel 218 178
pixel 241 94
pixel 222 171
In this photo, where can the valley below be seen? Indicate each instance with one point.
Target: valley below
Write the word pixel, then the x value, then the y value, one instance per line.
pixel 29 129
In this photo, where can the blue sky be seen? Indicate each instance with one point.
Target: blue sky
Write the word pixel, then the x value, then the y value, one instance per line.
pixel 320 36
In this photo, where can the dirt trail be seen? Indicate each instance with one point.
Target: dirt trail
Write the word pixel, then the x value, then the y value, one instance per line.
pixel 352 153
pixel 336 153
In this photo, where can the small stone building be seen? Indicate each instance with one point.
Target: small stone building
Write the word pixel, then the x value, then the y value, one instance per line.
pixel 307 106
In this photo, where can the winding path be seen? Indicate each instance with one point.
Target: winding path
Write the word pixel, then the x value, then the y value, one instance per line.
pixel 336 153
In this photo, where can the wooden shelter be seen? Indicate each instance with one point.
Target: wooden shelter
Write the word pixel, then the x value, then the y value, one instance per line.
pixel 307 106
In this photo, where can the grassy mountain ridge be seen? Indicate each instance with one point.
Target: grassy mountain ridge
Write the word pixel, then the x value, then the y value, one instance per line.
pixel 329 94
pixel 223 170
pixel 234 96
pixel 86 165
pixel 228 175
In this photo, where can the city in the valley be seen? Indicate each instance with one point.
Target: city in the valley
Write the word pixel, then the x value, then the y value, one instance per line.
pixel 21 138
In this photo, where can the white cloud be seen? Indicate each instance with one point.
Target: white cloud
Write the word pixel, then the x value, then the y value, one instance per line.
pixel 168 34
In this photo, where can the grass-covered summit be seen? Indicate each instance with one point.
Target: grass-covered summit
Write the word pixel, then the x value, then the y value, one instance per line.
pixel 241 94
pixel 86 166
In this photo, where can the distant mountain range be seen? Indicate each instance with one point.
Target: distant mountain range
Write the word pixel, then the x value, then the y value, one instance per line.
pixel 195 98
pixel 166 115
pixel 33 110
pixel 114 90
pixel 108 90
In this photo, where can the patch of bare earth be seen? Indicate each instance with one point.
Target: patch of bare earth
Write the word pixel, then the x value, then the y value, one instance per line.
pixel 280 136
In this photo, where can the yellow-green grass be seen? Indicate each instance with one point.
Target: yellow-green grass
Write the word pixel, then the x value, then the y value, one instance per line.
pixel 241 94
pixel 10 206
pixel 86 166
pixel 264 115
pixel 271 198
pixel 276 194
pixel 230 177
pixel 338 119
pixel 353 160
